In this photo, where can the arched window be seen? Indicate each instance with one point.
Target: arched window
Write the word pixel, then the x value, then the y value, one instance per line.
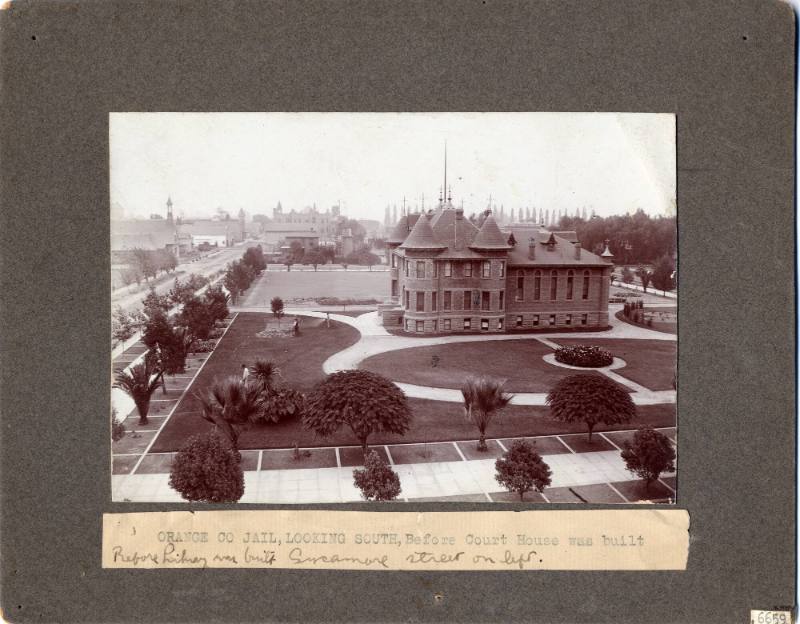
pixel 520 296
pixel 553 285
pixel 570 282
pixel 537 285
pixel 585 284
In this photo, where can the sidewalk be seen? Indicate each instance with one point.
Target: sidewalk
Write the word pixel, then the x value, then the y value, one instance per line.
pixel 465 474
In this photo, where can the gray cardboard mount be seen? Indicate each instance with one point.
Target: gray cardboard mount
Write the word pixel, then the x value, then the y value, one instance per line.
pixel 726 69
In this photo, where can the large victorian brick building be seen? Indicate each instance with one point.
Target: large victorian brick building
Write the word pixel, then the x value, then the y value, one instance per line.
pixel 451 275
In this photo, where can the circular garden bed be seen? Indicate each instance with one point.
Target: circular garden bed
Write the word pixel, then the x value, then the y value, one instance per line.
pixel 586 356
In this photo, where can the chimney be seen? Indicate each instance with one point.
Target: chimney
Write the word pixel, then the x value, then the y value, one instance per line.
pixel 532 249
pixel 577 250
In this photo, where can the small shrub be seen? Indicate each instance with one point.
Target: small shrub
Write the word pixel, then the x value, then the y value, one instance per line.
pixel 584 355
pixel 280 404
pixel 521 469
pixel 207 469
pixel 216 332
pixel 377 481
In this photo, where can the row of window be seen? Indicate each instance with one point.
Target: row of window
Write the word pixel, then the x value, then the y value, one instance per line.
pixel 456 300
pixel 450 269
pixel 537 285
pixel 466 324
pixel 568 318
pixel 447 325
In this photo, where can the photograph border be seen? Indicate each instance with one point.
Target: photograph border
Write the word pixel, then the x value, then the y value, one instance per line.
pixel 726 70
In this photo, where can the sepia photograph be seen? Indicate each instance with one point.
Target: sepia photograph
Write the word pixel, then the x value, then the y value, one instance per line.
pixel 410 307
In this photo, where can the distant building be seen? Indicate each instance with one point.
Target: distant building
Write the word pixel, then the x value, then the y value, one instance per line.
pixel 308 241
pixel 309 219
pixel 372 228
pixel 450 275
pixel 218 231
pixel 150 234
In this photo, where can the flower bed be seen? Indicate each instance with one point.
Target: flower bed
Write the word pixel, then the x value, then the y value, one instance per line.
pixel 204 346
pixel 587 356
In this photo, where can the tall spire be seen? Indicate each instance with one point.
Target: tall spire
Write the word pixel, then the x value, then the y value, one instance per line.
pixel 445 168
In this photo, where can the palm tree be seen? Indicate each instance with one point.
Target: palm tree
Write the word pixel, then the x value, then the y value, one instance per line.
pixel 231 403
pixel 264 372
pixel 140 384
pixel 483 397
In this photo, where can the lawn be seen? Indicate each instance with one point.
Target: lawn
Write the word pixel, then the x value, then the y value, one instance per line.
pixel 519 362
pixel 308 285
pixel 299 359
pixel 650 363
pixel 431 421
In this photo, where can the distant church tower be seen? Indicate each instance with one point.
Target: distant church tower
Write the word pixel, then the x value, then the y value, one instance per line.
pixel 169 211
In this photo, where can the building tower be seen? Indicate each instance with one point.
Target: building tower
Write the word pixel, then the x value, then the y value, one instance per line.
pixel 169 211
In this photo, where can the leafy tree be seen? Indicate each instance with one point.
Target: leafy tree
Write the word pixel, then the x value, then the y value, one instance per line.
pixel 483 398
pixel 139 383
pixel 592 399
pixel 238 278
pixel 377 481
pixel 123 325
pixel 165 260
pixel 208 469
pixel 254 258
pixel 154 303
pixel 662 274
pixel 362 400
pixel 174 342
pixel 363 257
pixel 276 305
pixel 181 292
pixel 231 405
pixel 627 275
pixel 144 262
pixel 649 455
pixel 197 318
pixel 522 469
pixel 328 253
pixel 313 257
pixel 635 238
pixel 294 255
pixel 130 276
pixel 644 274
pixel 217 302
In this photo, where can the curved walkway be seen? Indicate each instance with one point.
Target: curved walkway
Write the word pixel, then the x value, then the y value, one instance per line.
pixel 375 339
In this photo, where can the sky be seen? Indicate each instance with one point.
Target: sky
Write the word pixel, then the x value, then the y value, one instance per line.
pixel 611 163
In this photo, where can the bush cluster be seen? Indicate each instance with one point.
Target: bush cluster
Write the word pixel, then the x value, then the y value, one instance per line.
pixel 588 356
pixel 377 481
pixel 207 469
pixel 204 346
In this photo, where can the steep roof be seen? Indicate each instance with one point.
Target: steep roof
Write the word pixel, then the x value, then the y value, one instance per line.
pixel 402 228
pixel 451 228
pixel 550 249
pixel 489 236
pixel 421 236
